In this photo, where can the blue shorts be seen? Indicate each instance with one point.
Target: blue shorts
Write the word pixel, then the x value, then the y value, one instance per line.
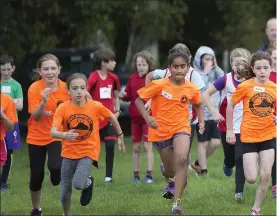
pixel 168 143
pixel 12 138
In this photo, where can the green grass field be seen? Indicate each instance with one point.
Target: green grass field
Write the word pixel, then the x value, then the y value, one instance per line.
pixel 212 195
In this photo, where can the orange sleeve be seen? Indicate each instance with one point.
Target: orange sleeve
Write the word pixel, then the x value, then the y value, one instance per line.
pixel 196 99
pixel 239 94
pixel 149 91
pixel 58 117
pixel 11 111
pixel 34 99
pixel 103 112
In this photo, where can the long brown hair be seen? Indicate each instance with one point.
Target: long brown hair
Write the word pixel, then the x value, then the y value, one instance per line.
pixel 42 59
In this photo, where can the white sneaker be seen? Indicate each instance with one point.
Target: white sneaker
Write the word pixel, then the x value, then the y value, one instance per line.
pixel 108 179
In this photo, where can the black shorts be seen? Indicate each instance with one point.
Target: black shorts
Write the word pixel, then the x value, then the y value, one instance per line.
pixel 260 146
pixel 211 131
pixel 107 133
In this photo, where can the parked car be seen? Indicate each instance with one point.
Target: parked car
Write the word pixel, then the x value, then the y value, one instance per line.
pixel 72 61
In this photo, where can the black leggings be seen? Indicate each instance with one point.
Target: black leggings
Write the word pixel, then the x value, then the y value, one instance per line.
pixel 37 157
pixel 7 167
pixel 233 157
pixel 273 173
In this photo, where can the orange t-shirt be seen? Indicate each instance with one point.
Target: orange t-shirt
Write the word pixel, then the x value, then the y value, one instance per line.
pixel 259 102
pixel 85 121
pixel 39 131
pixel 169 107
pixel 8 107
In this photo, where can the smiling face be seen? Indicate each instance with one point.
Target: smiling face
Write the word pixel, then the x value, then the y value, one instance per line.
pixel 49 71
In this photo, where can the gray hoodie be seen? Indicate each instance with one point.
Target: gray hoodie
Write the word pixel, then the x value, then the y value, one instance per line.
pixel 208 77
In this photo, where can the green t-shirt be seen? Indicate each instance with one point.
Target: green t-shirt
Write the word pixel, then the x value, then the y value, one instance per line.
pixel 12 88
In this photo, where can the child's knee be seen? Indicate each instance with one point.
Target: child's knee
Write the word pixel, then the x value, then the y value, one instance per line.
pixel 182 160
pixel 251 179
pixel 137 148
pixel 147 147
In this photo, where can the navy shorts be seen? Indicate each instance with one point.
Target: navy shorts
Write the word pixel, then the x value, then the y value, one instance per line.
pixel 168 143
pixel 12 138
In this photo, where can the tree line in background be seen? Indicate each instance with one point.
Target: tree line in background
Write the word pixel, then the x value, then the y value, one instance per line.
pixel 127 26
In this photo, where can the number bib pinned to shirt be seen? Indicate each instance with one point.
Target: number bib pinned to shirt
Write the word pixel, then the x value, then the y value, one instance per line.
pixel 105 93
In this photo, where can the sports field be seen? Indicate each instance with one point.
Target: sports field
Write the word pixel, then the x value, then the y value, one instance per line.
pixel 211 195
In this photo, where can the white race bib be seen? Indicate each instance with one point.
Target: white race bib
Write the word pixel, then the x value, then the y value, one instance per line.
pixel 6 89
pixel 105 93
pixel 167 95
pixel 259 89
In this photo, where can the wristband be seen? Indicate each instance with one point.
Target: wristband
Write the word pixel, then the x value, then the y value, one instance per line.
pixel 119 111
pixel 119 134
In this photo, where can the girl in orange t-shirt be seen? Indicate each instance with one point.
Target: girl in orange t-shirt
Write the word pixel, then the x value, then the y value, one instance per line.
pixel 169 126
pixel 258 127
pixel 44 96
pixel 79 119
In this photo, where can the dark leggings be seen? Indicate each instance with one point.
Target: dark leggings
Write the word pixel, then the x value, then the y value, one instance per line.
pixel 233 157
pixel 37 157
pixel 109 144
pixel 273 173
pixel 7 167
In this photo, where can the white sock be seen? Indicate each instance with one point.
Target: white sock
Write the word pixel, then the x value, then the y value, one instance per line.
pixel 108 179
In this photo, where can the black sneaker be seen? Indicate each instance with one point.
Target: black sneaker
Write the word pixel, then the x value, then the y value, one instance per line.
pixel 36 212
pixel 86 195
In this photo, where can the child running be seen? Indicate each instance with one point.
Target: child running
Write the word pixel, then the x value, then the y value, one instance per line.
pixel 77 123
pixel 240 62
pixel 12 88
pixel 273 78
pixel 258 127
pixel 7 120
pixel 142 63
pixel 205 64
pixel 44 96
pixel 103 86
pixel 169 126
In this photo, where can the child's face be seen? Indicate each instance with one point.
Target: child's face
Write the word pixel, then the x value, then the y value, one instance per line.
pixel 142 66
pixel 178 69
pixel 235 62
pixel 274 58
pixel 109 65
pixel 49 71
pixel 207 60
pixel 262 69
pixel 6 71
pixel 78 89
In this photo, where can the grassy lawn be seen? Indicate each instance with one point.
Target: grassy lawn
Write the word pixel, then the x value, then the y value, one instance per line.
pixel 212 195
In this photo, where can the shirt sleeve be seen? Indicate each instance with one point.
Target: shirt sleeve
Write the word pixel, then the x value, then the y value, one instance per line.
pixel 149 91
pixel 159 74
pixel 103 112
pixel 34 99
pixel 197 80
pixel 91 82
pixel 11 111
pixel 239 94
pixel 18 92
pixel 196 98
pixel 58 117
pixel 220 83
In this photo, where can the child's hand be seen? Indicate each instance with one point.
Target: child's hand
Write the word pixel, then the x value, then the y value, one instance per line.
pixel 230 137
pixel 201 126
pixel 208 66
pixel 121 144
pixel 217 117
pixel 70 135
pixel 151 122
pixel 45 93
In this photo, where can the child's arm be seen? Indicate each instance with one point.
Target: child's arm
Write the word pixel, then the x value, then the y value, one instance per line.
pixel 151 122
pixel 230 136
pixel 116 103
pixel 38 111
pixel 217 117
pixel 200 114
pixel 149 77
pixel 69 135
pixel 18 103
pixel 8 124
pixel 121 145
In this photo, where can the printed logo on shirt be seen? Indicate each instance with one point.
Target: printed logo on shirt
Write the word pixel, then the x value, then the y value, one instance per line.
pixel 184 99
pixel 261 104
pixel 259 89
pixel 167 95
pixel 82 124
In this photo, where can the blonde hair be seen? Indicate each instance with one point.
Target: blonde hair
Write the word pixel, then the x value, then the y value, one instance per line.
pixel 240 52
pixel 42 59
pixel 148 58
